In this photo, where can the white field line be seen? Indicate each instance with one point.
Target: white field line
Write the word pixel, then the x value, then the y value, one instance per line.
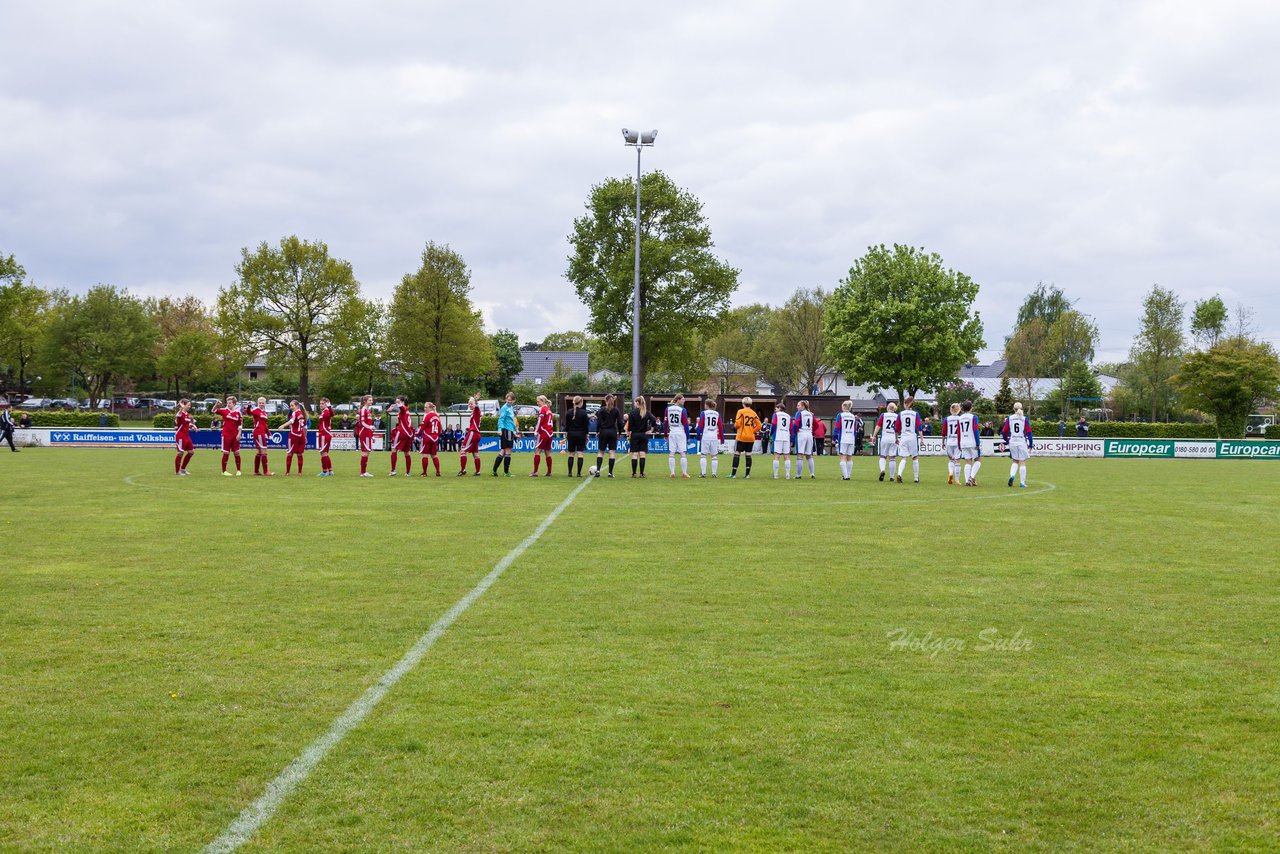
pixel 260 811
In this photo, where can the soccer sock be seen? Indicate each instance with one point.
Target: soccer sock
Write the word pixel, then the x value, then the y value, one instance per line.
pixel 579 466
pixel 788 465
pixel 224 460
pixel 394 454
pixel 600 463
pixel 902 465
pixel 462 458
pixel 364 463
pixel 811 472
pixel 634 463
pixel 671 463
pixel 477 459
pixel 735 463
pixel 775 468
pixel 966 472
pixel 1022 474
pixel 497 461
pixel 186 460
pixel 237 461
pixel 748 464
pixel 436 460
pixel 702 463
pixel 326 464
pixel 611 462
pixel 424 465
pixel 1013 470
pixel 915 467
pixel 257 463
pixel 715 464
pixel 977 464
pixel 506 464
pixel 684 465
pixel 537 462
pixel 177 463
pixel 288 463
pixel 642 459
pixel 406 464
pixel 882 465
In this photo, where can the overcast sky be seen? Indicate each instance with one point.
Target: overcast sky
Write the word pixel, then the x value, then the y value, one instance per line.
pixel 1101 146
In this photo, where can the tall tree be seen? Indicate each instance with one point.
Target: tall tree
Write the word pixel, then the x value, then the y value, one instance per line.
pixel 902 319
pixel 1025 356
pixel 101 337
pixel 189 357
pixel 1209 321
pixel 359 348
pixel 793 349
pixel 1071 342
pixel 24 316
pixel 287 301
pixel 507 361
pixel 1157 351
pixel 684 288
pixel 1045 303
pixel 1228 380
pixel 434 329
pixel 1004 397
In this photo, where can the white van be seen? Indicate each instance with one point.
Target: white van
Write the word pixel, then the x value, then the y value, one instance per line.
pixel 488 407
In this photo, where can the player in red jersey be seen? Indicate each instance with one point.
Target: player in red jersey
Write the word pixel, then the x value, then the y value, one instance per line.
pixel 297 436
pixel 324 437
pixel 364 433
pixel 182 437
pixel 429 430
pixel 545 430
pixel 260 431
pixel 402 437
pixel 232 420
pixel 471 441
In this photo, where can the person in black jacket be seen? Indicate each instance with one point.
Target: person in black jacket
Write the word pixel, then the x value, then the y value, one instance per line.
pixel 640 423
pixel 576 425
pixel 609 423
pixel 6 425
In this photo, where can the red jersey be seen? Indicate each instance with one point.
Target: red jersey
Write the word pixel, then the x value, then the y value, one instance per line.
pixel 474 425
pixel 260 427
pixel 297 424
pixel 404 424
pixel 326 417
pixel 364 424
pixel 429 429
pixel 232 419
pixel 183 422
pixel 546 423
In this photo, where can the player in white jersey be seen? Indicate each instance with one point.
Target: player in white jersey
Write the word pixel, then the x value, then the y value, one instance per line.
pixel 676 425
pixel 802 428
pixel 887 430
pixel 781 429
pixel 951 444
pixel 846 437
pixel 970 444
pixel 710 434
pixel 1017 435
pixel 909 440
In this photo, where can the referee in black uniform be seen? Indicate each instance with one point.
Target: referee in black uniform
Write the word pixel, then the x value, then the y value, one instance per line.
pixel 576 426
pixel 640 423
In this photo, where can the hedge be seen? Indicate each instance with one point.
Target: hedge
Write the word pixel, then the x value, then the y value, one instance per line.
pixel 204 421
pixel 1129 430
pixel 527 423
pixel 67 419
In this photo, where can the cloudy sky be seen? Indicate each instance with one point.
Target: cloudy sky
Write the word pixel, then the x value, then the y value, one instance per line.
pixel 1101 146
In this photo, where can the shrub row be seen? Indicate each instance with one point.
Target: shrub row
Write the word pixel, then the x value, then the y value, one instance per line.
pixel 67 419
pixel 1129 430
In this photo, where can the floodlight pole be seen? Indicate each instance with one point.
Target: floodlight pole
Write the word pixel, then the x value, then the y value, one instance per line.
pixel 635 296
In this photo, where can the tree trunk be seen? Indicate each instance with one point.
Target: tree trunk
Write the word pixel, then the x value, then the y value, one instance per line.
pixel 304 380
pixel 438 379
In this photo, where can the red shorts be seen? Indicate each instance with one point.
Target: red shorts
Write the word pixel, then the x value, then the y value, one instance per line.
pixel 543 445
pixel 323 441
pixel 470 443
pixel 230 444
pixel 364 441
pixel 185 444
pixel 297 444
pixel 402 443
pixel 260 441
pixel 430 448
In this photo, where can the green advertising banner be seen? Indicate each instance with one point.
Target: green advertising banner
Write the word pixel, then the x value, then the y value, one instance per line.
pixel 1249 450
pixel 1137 447
pixel 1201 449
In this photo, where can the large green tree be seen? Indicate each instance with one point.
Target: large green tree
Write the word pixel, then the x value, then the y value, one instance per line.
pixel 287 301
pixel 684 287
pixel 435 332
pixel 506 359
pixel 358 365
pixel 24 316
pixel 100 338
pixel 1228 380
pixel 792 351
pixel 1157 351
pixel 186 345
pixel 902 319
pixel 1209 321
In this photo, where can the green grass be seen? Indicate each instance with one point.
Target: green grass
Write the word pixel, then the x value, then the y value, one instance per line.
pixel 701 665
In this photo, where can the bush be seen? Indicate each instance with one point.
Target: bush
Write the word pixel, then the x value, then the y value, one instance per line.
pixel 67 419
pixel 489 423
pixel 204 421
pixel 1129 430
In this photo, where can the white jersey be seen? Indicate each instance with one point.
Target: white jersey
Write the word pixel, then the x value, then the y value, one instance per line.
pixel 1018 430
pixel 968 431
pixel 677 438
pixel 909 422
pixel 804 423
pixel 710 443
pixel 951 431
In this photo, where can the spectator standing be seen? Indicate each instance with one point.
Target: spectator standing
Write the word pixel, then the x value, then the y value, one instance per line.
pixel 819 436
pixel 1062 427
pixel 6 425
pixel 1082 428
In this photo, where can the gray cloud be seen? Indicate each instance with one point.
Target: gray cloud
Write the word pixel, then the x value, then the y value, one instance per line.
pixel 1097 145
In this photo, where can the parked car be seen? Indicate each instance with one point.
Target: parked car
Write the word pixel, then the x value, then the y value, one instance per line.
pixel 148 403
pixel 526 411
pixel 69 404
pixel 346 407
pixel 458 409
pixel 124 402
pixel 34 403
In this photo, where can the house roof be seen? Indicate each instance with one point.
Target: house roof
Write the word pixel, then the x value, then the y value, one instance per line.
pixel 541 364
pixel 995 370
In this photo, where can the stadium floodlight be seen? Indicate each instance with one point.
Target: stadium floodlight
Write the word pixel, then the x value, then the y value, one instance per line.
pixel 640 140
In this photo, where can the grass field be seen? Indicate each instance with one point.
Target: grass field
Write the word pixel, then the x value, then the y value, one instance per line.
pixel 701 665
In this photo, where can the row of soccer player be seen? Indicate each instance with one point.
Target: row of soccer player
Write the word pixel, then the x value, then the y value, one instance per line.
pixel 895 435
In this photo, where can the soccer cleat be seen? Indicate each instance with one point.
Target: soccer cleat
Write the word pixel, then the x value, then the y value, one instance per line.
pixel 673 477
pixel 366 474
pixel 610 474
pixel 237 472
pixel 1011 480
pixel 813 477
pixel 881 475
pixel 917 480
pixel 775 477
pixel 899 478
pixel 844 478
pixel 716 476
pixel 732 476
pixel 951 479
pixel 391 474
pixel 462 473
pixel 702 476
pixel 227 474
pixel 746 477
pixel 267 473
pixel 684 477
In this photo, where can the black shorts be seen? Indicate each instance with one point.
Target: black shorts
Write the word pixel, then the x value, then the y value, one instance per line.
pixel 507 440
pixel 608 441
pixel 575 442
pixel 741 447
pixel 639 442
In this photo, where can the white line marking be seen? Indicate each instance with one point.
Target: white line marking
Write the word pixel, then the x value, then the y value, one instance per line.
pixel 260 811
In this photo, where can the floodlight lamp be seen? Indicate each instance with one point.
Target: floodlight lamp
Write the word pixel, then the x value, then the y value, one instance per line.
pixel 648 138
pixel 630 137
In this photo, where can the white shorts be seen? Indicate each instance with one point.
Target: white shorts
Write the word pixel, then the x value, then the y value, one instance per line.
pixel 969 453
pixel 1019 453
pixel 678 442
pixel 909 447
pixel 782 445
pixel 847 447
pixel 804 445
pixel 709 445
pixel 953 450
pixel 888 446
